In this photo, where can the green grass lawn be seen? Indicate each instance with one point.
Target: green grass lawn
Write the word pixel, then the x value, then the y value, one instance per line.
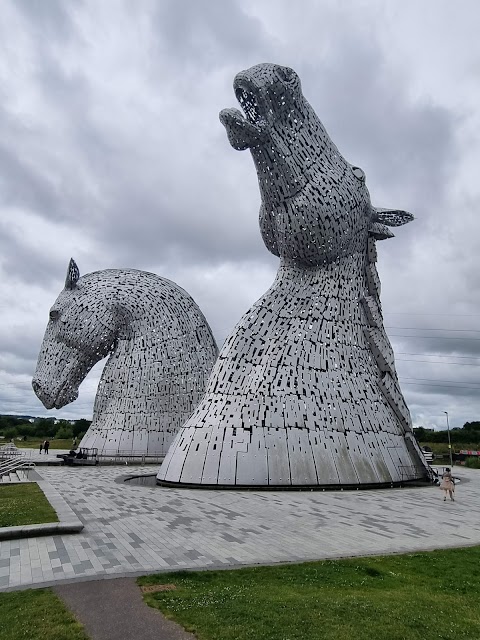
pixel 22 504
pixel 403 597
pixel 34 443
pixel 37 615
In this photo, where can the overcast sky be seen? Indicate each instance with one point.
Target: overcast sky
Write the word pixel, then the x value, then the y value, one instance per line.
pixel 111 152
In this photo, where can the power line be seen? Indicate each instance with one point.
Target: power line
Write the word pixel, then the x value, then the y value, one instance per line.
pixel 457 364
pixel 438 355
pixel 397 335
pixel 452 315
pixel 432 329
pixel 449 381
pixel 444 386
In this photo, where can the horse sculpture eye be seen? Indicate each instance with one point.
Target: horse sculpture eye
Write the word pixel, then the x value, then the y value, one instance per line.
pixel 54 314
pixel 359 173
pixel 285 74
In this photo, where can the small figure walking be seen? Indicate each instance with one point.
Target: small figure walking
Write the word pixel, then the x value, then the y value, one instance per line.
pixel 40 448
pixel 46 445
pixel 447 484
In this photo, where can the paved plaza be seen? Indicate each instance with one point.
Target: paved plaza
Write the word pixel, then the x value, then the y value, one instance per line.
pixel 133 530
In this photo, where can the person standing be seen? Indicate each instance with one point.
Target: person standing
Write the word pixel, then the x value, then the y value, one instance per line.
pixel 447 485
pixel 46 446
pixel 40 448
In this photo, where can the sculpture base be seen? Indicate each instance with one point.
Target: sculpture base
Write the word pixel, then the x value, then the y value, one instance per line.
pixel 328 487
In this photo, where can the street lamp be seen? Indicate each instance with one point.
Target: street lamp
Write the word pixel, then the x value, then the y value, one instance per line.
pixel 449 443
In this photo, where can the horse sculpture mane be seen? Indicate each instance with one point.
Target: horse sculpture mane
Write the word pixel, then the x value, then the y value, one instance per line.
pixel 304 392
pixel 161 351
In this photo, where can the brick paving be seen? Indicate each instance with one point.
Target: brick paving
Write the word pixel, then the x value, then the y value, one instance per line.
pixel 133 530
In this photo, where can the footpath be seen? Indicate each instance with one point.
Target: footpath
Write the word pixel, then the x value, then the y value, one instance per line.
pixel 115 610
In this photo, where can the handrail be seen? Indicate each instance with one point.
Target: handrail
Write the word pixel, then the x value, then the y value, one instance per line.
pixel 9 451
pixel 6 463
pixel 13 465
pixel 129 454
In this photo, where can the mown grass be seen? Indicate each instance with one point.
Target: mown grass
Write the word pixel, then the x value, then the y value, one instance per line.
pixel 34 443
pixel 37 615
pixel 440 448
pixel 403 597
pixel 22 504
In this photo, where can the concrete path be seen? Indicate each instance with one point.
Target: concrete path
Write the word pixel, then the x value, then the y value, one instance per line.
pixel 114 609
pixel 134 530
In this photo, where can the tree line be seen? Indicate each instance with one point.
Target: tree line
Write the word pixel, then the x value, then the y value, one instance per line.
pixel 21 427
pixel 468 434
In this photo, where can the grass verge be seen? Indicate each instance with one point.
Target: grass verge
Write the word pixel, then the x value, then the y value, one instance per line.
pixel 34 443
pixel 407 597
pixel 22 504
pixel 37 615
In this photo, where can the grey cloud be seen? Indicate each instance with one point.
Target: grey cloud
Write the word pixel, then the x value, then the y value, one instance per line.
pixel 20 184
pixel 170 192
pixel 407 147
pixel 49 20
pixel 212 33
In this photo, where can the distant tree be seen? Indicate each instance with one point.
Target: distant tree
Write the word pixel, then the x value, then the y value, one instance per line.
pixel 26 429
pixel 10 432
pixel 80 427
pixel 64 432
pixel 45 426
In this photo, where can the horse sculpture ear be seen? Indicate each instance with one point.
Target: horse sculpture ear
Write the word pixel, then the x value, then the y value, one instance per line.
pixel 384 218
pixel 73 274
pixel 392 217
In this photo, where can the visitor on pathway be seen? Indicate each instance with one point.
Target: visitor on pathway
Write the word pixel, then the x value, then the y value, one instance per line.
pixel 447 485
pixel 46 446
pixel 40 448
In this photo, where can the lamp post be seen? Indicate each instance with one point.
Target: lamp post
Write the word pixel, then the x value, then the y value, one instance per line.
pixel 449 443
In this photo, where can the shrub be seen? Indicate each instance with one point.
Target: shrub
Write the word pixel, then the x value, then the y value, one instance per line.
pixel 472 463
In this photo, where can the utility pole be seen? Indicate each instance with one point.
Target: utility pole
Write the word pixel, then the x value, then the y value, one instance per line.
pixel 449 443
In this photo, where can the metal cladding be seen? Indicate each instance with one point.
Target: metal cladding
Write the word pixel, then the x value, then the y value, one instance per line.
pixel 161 352
pixel 304 392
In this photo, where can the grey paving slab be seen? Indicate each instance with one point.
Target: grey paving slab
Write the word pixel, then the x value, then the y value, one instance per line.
pixel 132 530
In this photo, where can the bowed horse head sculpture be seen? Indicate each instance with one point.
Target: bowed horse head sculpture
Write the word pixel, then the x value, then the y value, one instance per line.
pixel 81 331
pixel 161 353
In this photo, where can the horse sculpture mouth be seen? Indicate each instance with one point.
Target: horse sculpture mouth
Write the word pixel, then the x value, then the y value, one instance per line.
pixel 247 130
pixel 250 105
pixel 65 395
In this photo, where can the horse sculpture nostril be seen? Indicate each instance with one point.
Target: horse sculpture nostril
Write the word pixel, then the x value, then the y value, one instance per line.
pixel 36 386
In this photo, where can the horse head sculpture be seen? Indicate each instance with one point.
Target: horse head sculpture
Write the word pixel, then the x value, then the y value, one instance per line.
pixel 304 392
pixel 161 354
pixel 315 205
pixel 83 324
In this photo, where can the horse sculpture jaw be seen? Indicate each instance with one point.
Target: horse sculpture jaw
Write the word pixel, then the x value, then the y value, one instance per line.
pixel 65 395
pixel 55 389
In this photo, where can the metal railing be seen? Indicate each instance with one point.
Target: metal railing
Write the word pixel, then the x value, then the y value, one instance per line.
pixel 9 450
pixel 8 466
pixel 125 457
pixel 408 472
